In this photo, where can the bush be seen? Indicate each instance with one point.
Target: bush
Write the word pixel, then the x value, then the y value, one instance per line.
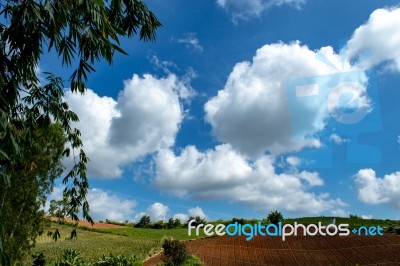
pixel 159 225
pixel 173 223
pixel 175 252
pixel 38 259
pixel 354 216
pixel 70 258
pixel 118 261
pixel 177 222
pixel 390 229
pixel 275 217
pixel 192 261
pixel 144 222
pixel 198 220
pixel 238 220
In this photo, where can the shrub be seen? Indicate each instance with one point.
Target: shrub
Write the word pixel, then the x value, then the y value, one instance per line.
pixel 175 252
pixel 159 225
pixel 354 216
pixel 144 222
pixel 170 223
pixel 238 220
pixel 198 220
pixel 173 223
pixel 38 259
pixel 275 217
pixel 192 261
pixel 390 229
pixel 177 222
pixel 70 258
pixel 118 261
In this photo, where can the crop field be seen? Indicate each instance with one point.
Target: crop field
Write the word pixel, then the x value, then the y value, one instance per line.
pixel 92 243
pixel 299 250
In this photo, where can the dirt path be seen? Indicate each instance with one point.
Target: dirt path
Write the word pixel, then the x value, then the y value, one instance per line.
pixel 87 224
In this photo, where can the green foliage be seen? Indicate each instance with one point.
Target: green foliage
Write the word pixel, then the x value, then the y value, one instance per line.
pixel 125 223
pixel 31 179
pixel 173 223
pixel 59 208
pixel 198 220
pixel 118 261
pixel 354 216
pixel 80 33
pixel 38 259
pixel 238 220
pixel 92 243
pixel 192 261
pixel 70 258
pixel 275 217
pixel 175 252
pixel 144 222
pixel 159 225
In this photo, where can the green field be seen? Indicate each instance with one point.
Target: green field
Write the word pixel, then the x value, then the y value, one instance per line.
pixel 130 241
pixel 93 243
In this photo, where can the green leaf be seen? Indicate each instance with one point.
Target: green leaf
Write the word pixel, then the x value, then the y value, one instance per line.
pixel 56 235
pixel 74 234
pixel 4 154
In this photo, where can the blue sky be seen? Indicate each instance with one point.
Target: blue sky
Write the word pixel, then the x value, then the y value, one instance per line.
pixel 246 106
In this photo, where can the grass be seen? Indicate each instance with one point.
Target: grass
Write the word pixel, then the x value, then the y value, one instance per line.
pixel 93 243
pixel 150 234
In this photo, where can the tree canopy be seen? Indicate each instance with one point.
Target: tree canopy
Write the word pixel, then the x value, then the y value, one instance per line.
pixel 80 33
pixel 32 178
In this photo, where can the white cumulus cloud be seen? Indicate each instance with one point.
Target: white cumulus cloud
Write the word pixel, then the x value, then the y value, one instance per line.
pixel 366 216
pixel 253 111
pixel 157 212
pixel 378 40
pixel 372 189
pixel 338 140
pixel 340 213
pixel 183 217
pixel 105 205
pixel 192 212
pixel 197 211
pixel 145 117
pixel 222 173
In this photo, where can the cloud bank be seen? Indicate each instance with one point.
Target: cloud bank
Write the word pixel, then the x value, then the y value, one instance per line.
pixel 222 173
pixel 252 111
pixel 145 117
pixel 372 189
pixel 378 40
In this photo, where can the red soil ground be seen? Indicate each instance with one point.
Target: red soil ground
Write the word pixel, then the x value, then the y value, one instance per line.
pixel 87 224
pixel 299 250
